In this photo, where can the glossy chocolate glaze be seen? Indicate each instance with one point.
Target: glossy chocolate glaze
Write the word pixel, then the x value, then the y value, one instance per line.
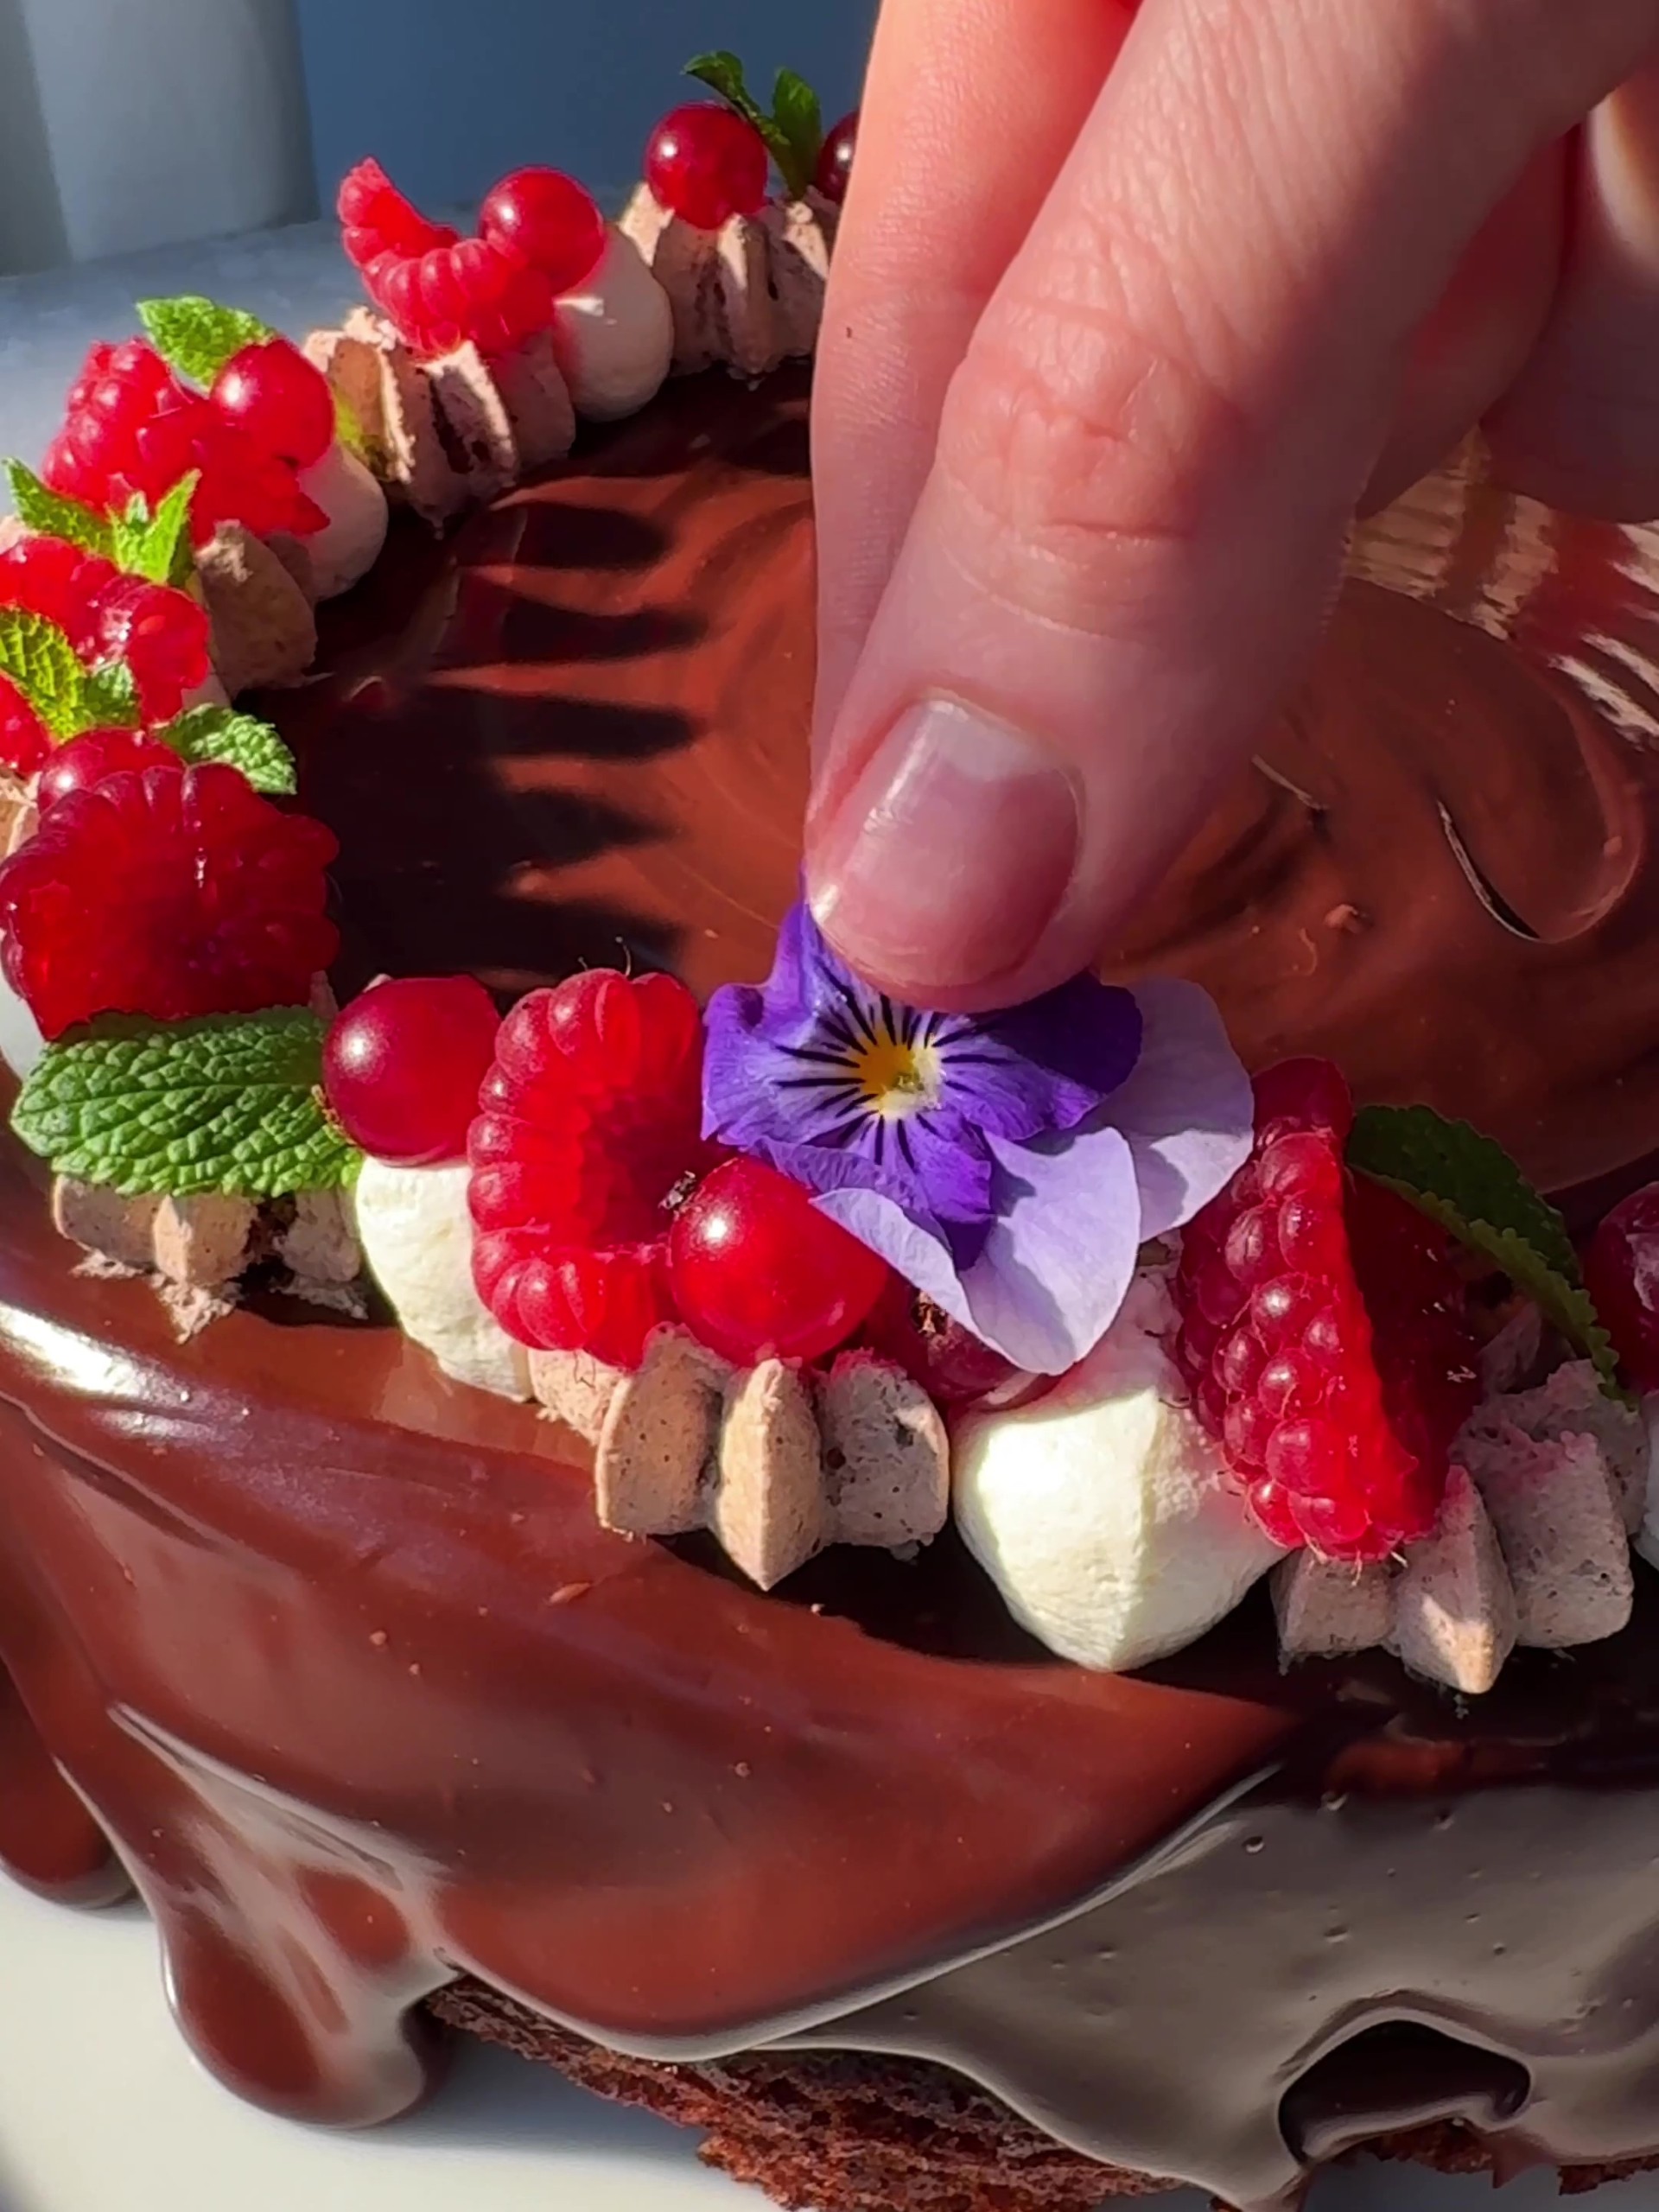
pixel 334 1654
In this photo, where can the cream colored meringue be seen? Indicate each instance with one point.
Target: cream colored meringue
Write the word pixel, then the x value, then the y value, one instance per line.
pixel 613 335
pixel 416 1235
pixel 347 548
pixel 1101 1511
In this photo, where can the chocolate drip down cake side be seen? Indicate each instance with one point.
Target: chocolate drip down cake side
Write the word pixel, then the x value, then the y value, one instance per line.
pixel 569 1471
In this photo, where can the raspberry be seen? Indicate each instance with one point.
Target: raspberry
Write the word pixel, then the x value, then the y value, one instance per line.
pixel 168 895
pixel 25 742
pixel 589 1125
pixel 109 616
pixel 96 753
pixel 376 218
pixel 437 290
pixel 1324 1332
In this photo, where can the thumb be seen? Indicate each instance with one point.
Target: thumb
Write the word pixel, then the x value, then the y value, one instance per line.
pixel 1148 458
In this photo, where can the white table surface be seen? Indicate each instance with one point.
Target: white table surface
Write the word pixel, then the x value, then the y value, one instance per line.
pixel 101 2109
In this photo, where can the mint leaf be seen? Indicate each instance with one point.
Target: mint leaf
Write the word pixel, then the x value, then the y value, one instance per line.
pixel 723 73
pixel 1470 1186
pixel 113 698
pixel 54 514
pixel 69 698
pixel 227 1101
pixel 196 337
pixel 800 121
pixel 239 741
pixel 158 546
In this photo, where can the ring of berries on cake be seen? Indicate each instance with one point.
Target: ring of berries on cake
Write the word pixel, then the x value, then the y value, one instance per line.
pixel 805 1267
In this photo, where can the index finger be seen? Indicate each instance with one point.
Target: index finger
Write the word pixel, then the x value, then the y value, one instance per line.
pixel 971 108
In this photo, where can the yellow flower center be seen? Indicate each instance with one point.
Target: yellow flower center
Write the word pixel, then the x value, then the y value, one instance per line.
pixel 895 1078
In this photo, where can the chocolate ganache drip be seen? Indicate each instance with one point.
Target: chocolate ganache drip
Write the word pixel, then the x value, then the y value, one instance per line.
pixel 333 1657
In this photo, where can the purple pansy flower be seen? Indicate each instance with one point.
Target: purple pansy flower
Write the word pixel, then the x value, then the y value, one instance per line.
pixel 1010 1164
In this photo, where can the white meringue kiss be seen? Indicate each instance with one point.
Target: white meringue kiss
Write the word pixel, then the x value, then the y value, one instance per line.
pixel 613 336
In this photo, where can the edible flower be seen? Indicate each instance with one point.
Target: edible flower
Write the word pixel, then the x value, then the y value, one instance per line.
pixel 1010 1165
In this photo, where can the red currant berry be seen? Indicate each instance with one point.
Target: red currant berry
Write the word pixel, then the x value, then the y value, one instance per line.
pixel 273 393
pixel 835 161
pixel 1621 1272
pixel 952 1364
pixel 759 1273
pixel 87 760
pixel 545 219
pixel 705 164
pixel 402 1065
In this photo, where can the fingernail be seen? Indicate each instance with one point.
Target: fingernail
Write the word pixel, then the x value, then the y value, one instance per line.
pixel 942 863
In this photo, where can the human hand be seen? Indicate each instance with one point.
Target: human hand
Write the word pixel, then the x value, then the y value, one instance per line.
pixel 1129 316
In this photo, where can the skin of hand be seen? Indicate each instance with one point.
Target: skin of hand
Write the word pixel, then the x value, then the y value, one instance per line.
pixel 1132 309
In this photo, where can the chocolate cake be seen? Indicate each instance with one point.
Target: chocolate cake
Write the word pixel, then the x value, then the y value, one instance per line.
pixel 329 1656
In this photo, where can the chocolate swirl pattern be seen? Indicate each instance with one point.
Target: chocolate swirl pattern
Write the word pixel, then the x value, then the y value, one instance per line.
pixel 331 1654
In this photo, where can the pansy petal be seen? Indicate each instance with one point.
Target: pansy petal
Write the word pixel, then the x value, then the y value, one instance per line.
pixel 1061 1253
pixel 956 1174
pixel 823 1172
pixel 911 1250
pixel 736 1063
pixel 1083 1035
pixel 1186 1110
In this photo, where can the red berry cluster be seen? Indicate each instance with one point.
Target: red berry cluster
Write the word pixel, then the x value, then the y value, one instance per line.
pixel 539 234
pixel 131 427
pixel 1323 1332
pixel 109 616
pixel 601 1212
pixel 166 893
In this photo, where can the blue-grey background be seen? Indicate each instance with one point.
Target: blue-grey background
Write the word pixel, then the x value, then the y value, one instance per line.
pixel 450 93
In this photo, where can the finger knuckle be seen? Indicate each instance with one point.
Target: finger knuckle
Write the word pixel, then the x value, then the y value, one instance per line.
pixel 1078 437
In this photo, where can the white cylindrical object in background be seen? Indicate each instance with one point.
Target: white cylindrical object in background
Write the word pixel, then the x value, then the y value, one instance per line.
pixel 171 120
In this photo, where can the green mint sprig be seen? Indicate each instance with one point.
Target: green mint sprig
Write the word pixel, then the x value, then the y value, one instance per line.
pixel 1469 1184
pixel 54 514
pixel 229 1103
pixel 68 697
pixel 155 546
pixel 239 741
pixel 793 131
pixel 196 337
